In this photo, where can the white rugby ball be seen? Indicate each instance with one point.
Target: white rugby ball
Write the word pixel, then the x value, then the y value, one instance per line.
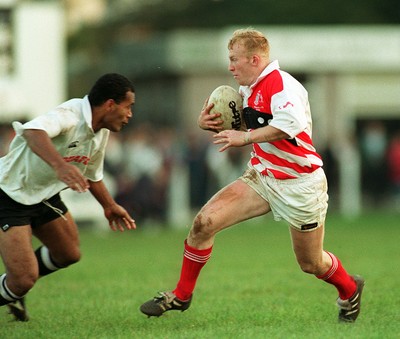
pixel 229 103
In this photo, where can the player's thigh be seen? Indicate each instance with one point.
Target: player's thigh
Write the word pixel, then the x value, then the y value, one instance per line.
pixel 232 204
pixel 61 237
pixel 17 253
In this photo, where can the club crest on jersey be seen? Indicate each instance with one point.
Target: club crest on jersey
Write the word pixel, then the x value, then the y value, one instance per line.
pixel 259 100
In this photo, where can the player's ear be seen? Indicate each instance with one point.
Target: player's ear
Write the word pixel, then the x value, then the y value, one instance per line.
pixel 255 59
pixel 109 104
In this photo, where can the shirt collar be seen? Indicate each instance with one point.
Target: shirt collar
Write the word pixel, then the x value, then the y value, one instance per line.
pixel 87 111
pixel 247 90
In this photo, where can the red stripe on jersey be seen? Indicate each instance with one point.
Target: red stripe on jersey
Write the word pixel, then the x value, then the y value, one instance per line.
pixel 278 174
pixel 286 146
pixel 281 162
pixel 303 136
pixel 275 83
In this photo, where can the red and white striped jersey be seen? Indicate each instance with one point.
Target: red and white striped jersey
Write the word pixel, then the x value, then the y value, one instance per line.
pixel 278 93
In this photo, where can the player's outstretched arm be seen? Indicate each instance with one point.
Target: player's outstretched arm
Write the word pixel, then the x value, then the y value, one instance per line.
pixel 232 138
pixel 117 216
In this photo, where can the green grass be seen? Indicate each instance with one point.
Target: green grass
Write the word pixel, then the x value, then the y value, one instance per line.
pixel 251 288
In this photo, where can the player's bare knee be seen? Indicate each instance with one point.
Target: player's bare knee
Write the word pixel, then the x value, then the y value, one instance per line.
pixel 20 285
pixel 202 226
pixel 28 283
pixel 73 258
pixel 69 258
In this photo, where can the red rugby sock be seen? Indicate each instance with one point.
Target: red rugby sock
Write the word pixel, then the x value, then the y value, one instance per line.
pixel 338 277
pixel 193 262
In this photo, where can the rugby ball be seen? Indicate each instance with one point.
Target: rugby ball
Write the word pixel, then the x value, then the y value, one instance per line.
pixel 229 103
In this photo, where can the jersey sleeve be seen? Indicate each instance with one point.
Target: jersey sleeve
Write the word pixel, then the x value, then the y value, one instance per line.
pixel 289 113
pixel 53 123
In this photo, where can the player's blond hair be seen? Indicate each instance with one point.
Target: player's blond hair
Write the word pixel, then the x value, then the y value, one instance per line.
pixel 253 40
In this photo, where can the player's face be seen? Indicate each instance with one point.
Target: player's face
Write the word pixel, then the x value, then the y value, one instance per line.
pixel 120 113
pixel 240 65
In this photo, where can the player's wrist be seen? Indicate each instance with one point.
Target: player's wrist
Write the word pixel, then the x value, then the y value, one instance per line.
pixel 247 138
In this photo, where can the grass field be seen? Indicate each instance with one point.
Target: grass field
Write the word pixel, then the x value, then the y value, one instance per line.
pixel 251 288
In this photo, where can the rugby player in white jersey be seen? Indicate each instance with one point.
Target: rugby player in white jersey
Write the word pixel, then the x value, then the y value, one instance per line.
pixel 62 149
pixel 284 176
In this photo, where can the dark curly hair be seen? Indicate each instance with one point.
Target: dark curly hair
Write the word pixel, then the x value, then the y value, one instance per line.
pixel 110 86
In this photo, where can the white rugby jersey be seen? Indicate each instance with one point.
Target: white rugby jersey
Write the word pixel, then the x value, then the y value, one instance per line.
pixel 28 179
pixel 278 93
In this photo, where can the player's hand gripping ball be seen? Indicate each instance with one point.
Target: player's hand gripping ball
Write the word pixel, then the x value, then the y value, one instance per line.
pixel 229 103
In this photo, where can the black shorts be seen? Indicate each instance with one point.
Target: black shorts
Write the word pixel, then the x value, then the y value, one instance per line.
pixel 13 213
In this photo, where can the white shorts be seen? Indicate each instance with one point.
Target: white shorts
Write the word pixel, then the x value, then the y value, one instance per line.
pixel 302 202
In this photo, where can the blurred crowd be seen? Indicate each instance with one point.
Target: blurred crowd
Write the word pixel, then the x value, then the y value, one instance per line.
pixel 380 154
pixel 141 161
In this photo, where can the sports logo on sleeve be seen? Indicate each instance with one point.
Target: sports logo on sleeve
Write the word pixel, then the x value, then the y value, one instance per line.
pixel 73 144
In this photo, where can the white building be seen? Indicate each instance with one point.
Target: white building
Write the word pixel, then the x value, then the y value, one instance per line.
pixel 32 58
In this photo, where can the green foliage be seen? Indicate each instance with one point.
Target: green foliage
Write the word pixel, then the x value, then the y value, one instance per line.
pixel 251 288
